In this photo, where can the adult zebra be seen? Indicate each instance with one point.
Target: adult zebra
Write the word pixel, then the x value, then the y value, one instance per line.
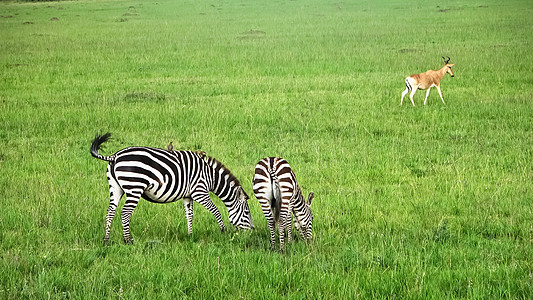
pixel 280 196
pixel 163 176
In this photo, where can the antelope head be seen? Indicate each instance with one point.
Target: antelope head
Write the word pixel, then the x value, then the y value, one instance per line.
pixel 448 66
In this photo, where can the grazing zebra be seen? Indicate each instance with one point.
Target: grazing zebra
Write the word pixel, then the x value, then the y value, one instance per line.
pixel 163 176
pixel 280 195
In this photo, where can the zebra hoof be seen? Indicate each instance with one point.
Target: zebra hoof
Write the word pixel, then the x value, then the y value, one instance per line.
pixel 128 241
pixel 107 242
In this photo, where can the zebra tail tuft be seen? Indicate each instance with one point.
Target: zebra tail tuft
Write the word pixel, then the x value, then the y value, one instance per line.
pixel 97 145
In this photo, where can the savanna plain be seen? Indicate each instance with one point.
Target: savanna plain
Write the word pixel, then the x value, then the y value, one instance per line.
pixel 426 202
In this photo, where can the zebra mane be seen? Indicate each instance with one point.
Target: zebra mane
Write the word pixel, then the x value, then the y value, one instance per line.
pixel 218 165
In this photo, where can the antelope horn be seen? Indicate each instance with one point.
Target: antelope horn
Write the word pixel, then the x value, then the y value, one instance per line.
pixel 446 60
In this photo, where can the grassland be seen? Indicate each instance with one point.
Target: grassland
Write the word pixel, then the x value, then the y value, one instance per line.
pixel 425 202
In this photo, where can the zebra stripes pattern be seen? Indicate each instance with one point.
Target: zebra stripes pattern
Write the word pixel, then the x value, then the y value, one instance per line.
pixel 163 176
pixel 280 196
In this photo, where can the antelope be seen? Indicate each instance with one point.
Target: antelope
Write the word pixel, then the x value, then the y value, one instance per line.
pixel 427 80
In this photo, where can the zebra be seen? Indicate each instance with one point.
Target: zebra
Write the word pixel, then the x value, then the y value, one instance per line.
pixel 163 176
pixel 279 194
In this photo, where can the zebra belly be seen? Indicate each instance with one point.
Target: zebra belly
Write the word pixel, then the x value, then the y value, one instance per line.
pixel 153 194
pixel 150 197
pixel 157 190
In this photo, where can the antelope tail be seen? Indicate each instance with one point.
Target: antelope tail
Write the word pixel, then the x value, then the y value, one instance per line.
pixel 97 144
pixel 407 84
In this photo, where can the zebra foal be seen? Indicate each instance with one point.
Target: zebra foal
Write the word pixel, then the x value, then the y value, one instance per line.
pixel 280 196
pixel 163 176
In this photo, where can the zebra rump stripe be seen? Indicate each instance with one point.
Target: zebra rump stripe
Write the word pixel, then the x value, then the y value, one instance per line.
pixel 280 196
pixel 163 176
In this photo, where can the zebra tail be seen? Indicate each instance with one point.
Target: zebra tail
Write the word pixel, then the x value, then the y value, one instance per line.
pixel 276 191
pixel 97 144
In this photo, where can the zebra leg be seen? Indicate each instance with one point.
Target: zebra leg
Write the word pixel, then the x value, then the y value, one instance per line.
pixel 272 229
pixel 284 217
pixel 289 227
pixel 132 199
pixel 187 202
pixel 267 212
pixel 203 199
pixel 115 193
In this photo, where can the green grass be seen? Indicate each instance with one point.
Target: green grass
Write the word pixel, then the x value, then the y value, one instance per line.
pixel 411 202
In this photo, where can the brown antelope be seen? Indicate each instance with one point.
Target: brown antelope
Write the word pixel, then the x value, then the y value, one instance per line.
pixel 427 80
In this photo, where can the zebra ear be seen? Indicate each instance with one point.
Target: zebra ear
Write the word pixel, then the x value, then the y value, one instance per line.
pixel 310 198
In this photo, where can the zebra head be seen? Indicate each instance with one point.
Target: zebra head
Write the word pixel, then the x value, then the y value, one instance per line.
pixel 238 210
pixel 304 217
pixel 228 188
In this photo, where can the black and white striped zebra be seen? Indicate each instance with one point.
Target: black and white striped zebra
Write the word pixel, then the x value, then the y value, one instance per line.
pixel 280 196
pixel 163 176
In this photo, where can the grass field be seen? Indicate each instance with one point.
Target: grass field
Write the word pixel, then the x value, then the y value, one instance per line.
pixel 425 202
